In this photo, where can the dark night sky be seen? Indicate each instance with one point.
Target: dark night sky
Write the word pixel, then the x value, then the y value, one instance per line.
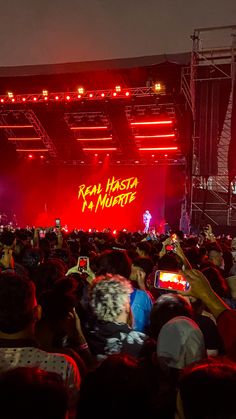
pixel 52 31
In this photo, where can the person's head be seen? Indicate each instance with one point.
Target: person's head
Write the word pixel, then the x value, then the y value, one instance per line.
pixel 58 302
pixel 113 262
pixel 31 393
pixel 47 274
pixel 166 308
pixel 207 391
pixel 110 298
pixel 18 306
pixel 7 238
pixel 142 264
pixel 143 249
pixel 30 258
pixel 169 262
pixel 233 244
pixel 216 257
pixel 217 282
pixel 114 388
pixel 180 343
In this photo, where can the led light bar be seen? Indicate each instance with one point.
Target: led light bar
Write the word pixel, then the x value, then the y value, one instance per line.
pixel 32 150
pixel 156 136
pixel 158 148
pixel 167 122
pixel 16 126
pixel 85 128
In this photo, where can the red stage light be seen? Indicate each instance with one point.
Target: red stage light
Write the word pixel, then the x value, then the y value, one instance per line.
pixel 166 122
pixel 108 154
pixel 90 95
pixel 87 128
pixel 96 155
pixel 158 148
pixel 56 97
pixel 79 96
pixel 67 97
pixel 2 100
pixel 45 98
pixel 114 94
pixel 127 94
pixel 23 99
pixel 30 156
pixel 102 94
pixel 114 232
pixel 13 100
pixel 35 99
pixel 41 157
pixel 118 88
pixel 156 136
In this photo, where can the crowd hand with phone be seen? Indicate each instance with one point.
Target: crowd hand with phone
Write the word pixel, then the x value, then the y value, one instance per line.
pixel 88 271
pixel 7 261
pixel 209 234
pixel 179 252
pixel 200 288
pixel 167 242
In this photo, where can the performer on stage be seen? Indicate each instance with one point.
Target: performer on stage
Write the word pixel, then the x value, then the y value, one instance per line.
pixel 146 219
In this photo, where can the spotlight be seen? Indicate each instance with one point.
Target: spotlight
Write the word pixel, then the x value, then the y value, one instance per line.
pixel 2 100
pixel 41 157
pixel 45 92
pixel 127 94
pixel 91 95
pixel 102 94
pixel 10 94
pixel 118 89
pixel 80 90
pixel 114 94
pixel 67 97
pixel 56 97
pixel 30 156
pixel 157 87
pixel 23 99
pixel 35 99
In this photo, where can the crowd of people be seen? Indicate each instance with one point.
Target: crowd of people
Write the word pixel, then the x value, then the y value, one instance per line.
pixel 86 329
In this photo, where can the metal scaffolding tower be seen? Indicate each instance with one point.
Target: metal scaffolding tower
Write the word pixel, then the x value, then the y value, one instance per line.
pixel 210 196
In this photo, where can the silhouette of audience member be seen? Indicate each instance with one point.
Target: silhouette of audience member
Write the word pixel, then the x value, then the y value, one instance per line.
pixel 110 332
pixel 19 313
pixel 32 393
pixel 207 391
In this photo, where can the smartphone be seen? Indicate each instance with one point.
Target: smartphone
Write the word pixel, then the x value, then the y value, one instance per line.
pixel 57 222
pixel 83 263
pixel 170 281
